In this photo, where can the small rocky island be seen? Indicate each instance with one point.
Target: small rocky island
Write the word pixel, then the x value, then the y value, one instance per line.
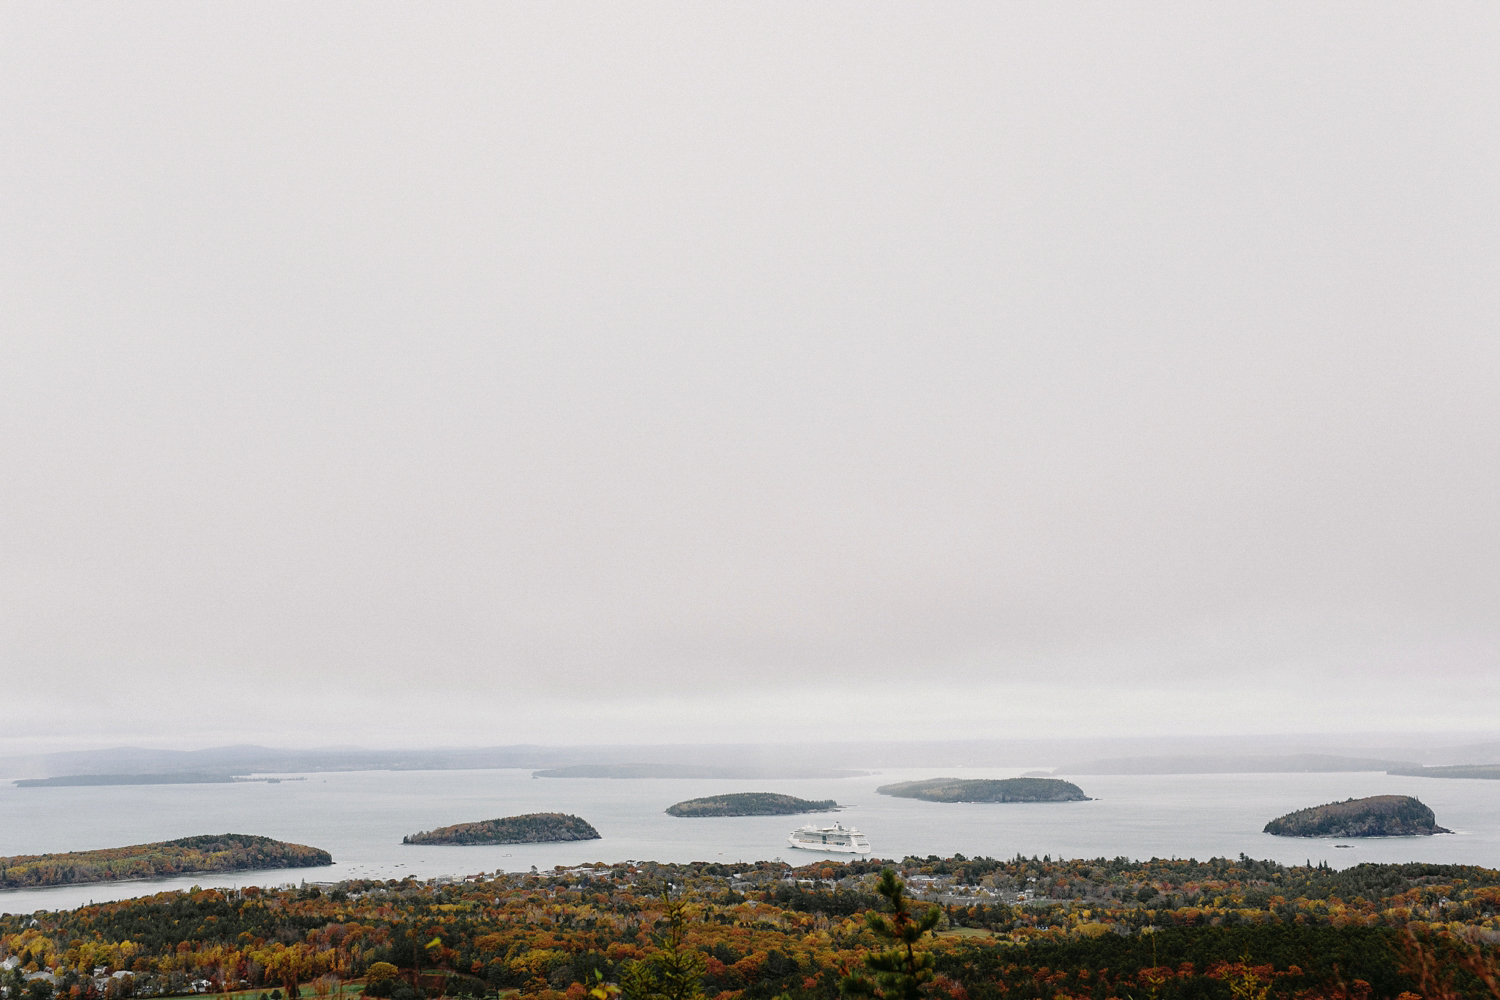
pixel 532 828
pixel 987 790
pixel 223 852
pixel 1375 816
pixel 751 804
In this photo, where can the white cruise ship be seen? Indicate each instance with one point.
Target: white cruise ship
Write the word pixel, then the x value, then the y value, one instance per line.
pixel 836 838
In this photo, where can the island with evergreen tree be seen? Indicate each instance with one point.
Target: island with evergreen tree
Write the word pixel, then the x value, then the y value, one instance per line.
pixel 226 852
pixel 532 828
pixel 751 804
pixel 1375 816
pixel 987 790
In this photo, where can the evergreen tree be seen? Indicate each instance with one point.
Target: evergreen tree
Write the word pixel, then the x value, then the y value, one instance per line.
pixel 673 972
pixel 901 970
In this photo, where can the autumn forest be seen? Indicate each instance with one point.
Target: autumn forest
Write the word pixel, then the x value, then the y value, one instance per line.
pixel 1022 928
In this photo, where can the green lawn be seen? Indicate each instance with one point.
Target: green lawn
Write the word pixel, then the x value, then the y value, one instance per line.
pixel 349 988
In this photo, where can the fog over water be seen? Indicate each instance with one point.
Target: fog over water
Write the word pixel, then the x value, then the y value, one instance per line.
pixel 384 375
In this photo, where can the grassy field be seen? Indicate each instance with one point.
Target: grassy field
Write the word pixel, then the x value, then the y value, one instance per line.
pixel 966 932
pixel 353 987
pixel 350 988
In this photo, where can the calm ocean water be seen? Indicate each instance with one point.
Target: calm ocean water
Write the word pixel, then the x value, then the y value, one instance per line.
pixel 360 817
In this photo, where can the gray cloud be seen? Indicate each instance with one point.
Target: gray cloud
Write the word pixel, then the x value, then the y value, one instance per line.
pixel 609 356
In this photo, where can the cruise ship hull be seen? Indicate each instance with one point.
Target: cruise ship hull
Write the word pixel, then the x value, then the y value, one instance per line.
pixel 834 839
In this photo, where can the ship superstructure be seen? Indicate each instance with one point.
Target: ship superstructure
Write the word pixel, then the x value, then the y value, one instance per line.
pixel 837 839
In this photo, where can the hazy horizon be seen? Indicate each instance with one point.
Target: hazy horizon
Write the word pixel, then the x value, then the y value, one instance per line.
pixel 1418 746
pixel 418 376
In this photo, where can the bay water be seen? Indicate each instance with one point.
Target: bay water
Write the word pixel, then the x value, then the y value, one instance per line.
pixel 361 816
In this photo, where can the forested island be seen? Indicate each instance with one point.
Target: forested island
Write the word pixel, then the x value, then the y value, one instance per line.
pixel 532 828
pixel 227 852
pixel 1375 816
pixel 987 790
pixel 751 804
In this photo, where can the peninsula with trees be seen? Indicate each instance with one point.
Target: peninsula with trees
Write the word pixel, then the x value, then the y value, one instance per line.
pixel 751 804
pixel 1375 816
pixel 226 852
pixel 1489 772
pixel 987 790
pixel 532 828
pixel 78 780
pixel 175 778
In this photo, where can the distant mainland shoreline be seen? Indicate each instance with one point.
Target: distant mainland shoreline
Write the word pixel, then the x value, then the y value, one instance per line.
pixel 987 790
pixel 726 772
pixel 182 778
pixel 1455 757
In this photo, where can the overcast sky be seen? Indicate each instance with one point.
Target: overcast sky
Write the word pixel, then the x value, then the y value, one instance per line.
pixel 478 374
